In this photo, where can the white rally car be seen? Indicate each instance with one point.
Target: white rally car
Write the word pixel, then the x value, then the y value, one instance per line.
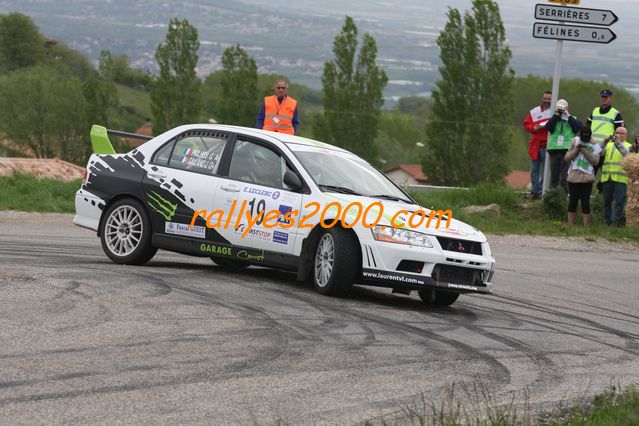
pixel 251 197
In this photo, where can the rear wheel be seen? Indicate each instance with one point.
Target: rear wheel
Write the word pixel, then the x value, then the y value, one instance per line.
pixel 438 297
pixel 335 263
pixel 126 233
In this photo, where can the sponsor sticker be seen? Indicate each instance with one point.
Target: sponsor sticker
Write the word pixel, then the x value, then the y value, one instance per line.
pixel 462 286
pixel 254 233
pixel 283 210
pixel 161 205
pixel 215 249
pixel 280 237
pixel 255 256
pixel 391 276
pixel 184 229
pixel 264 192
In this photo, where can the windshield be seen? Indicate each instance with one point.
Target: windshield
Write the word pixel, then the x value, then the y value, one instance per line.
pixel 332 170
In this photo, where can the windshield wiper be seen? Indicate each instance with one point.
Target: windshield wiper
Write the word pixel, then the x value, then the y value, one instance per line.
pixel 339 189
pixel 390 197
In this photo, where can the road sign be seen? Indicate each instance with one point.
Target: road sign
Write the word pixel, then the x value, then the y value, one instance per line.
pixel 578 15
pixel 575 2
pixel 573 33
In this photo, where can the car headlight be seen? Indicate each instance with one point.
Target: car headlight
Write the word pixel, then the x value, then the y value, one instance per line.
pixel 400 236
pixel 485 249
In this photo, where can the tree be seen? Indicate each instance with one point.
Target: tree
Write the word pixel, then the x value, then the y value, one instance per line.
pixel 42 108
pixel 124 73
pixel 101 94
pixel 352 94
pixel 20 42
pixel 175 97
pixel 468 134
pixel 75 61
pixel 398 137
pixel 237 103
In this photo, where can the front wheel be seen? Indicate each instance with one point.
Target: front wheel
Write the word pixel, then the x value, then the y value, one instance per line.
pixel 438 297
pixel 335 264
pixel 126 233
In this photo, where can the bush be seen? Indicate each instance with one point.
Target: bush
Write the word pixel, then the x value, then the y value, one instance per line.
pixel 554 202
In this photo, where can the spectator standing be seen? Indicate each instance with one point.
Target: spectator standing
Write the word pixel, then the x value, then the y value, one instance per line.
pixel 535 123
pixel 583 155
pixel 614 178
pixel 635 146
pixel 562 128
pixel 605 119
pixel 279 112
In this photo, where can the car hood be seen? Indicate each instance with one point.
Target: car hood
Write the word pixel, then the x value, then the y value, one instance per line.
pixel 456 229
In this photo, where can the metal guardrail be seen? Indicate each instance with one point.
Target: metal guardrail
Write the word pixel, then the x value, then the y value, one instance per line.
pixel 430 188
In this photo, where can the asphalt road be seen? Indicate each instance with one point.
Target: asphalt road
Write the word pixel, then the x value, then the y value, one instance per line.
pixel 83 340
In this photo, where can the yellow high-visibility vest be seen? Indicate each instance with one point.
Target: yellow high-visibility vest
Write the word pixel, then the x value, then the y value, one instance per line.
pixel 612 164
pixel 603 125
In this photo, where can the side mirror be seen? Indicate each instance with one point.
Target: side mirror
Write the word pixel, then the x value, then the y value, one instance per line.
pixel 293 181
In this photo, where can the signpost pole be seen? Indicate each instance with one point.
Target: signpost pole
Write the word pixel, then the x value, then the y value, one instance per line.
pixel 553 102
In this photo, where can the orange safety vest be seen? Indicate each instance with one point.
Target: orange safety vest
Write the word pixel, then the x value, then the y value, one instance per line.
pixel 279 117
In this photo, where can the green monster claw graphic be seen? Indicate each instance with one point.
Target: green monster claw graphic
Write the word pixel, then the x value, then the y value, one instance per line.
pixel 161 205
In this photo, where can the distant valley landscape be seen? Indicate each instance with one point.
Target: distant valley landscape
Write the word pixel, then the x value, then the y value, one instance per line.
pixel 295 38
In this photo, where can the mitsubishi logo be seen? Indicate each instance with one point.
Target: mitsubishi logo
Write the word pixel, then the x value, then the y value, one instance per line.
pixel 461 248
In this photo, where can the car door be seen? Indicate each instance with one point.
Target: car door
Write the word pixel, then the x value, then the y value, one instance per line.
pixel 255 186
pixel 181 179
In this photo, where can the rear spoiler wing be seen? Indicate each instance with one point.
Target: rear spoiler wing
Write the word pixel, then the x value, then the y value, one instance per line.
pixel 100 139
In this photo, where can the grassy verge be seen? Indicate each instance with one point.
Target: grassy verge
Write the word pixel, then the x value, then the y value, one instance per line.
pixel 475 405
pixel 26 193
pixel 613 407
pixel 518 215
pixel 522 216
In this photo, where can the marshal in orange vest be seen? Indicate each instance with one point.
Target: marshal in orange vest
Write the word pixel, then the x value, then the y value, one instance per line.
pixel 279 117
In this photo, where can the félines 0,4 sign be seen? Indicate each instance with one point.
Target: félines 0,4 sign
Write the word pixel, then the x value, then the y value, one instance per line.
pixel 573 33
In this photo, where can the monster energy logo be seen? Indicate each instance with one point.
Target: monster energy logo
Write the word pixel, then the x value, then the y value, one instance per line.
pixel 161 205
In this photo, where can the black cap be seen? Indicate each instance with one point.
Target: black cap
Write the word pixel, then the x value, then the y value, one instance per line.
pixel 606 92
pixel 585 134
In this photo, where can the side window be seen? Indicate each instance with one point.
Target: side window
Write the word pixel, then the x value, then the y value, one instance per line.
pixel 254 163
pixel 198 153
pixel 162 155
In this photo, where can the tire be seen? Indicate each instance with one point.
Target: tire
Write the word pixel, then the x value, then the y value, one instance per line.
pixel 438 297
pixel 126 232
pixel 335 264
pixel 229 263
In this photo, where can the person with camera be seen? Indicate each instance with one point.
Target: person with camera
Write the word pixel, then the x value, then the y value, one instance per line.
pixel 562 128
pixel 614 178
pixel 535 124
pixel 603 121
pixel 583 154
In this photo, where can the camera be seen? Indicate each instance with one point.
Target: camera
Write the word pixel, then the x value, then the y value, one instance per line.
pixel 560 110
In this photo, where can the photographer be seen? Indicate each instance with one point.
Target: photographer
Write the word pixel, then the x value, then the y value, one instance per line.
pixel 562 128
pixel 583 154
